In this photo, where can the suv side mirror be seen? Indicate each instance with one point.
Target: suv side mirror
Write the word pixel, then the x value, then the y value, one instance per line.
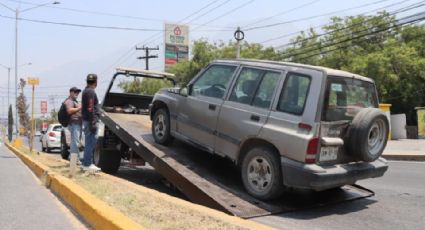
pixel 185 91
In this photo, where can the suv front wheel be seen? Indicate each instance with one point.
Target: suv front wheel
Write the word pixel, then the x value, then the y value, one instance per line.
pixel 161 127
pixel 261 174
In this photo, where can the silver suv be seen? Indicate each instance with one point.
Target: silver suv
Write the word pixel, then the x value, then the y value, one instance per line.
pixel 286 125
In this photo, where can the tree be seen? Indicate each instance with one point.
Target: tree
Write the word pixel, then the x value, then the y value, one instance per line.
pixel 22 107
pixel 10 124
pixel 144 86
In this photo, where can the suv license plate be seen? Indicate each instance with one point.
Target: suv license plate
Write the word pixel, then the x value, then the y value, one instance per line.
pixel 328 153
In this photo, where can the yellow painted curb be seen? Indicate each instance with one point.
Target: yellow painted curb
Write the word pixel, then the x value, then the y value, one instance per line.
pixel 96 212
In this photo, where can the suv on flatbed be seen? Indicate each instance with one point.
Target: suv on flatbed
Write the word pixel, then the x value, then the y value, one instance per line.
pixel 286 125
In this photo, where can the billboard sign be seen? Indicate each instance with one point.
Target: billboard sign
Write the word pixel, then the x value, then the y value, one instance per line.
pixel 176 44
pixel 43 107
pixel 44 126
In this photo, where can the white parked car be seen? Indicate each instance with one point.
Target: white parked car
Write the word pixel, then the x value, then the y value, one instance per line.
pixel 51 139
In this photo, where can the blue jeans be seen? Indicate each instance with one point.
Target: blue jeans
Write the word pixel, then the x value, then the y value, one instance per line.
pixel 75 130
pixel 90 144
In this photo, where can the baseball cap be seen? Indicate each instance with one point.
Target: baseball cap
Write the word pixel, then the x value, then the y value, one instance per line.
pixel 74 89
pixel 91 77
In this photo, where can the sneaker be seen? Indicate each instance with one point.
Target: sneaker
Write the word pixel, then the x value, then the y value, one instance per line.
pixel 94 167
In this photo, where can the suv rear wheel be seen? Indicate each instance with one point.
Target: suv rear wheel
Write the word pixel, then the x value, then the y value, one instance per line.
pixel 261 173
pixel 161 127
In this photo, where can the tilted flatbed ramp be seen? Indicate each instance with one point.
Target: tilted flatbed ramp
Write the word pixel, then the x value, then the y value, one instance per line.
pixel 210 180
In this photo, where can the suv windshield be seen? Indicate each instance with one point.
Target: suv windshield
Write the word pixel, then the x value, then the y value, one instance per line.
pixel 346 96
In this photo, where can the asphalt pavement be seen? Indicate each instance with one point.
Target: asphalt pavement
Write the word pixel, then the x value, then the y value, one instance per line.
pixel 398 204
pixel 25 203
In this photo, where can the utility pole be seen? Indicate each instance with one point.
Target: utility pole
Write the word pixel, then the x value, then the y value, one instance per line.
pixel 147 56
pixel 239 36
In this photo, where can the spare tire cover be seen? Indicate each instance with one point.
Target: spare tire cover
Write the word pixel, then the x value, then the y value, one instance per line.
pixel 368 135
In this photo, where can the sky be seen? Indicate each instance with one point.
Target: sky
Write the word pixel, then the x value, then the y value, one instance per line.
pixel 62 55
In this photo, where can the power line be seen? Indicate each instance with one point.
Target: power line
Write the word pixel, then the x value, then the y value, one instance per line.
pixel 410 7
pixel 315 16
pixel 81 25
pixel 104 13
pixel 211 10
pixel 297 32
pixel 283 12
pixel 208 12
pixel 351 39
pixel 92 26
pixel 225 14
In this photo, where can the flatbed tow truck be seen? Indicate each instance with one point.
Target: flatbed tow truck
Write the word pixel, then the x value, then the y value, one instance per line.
pixel 205 179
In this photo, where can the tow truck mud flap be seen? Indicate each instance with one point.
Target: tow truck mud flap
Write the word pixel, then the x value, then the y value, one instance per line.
pixel 210 180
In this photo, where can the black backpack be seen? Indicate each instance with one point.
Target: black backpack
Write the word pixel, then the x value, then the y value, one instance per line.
pixel 63 115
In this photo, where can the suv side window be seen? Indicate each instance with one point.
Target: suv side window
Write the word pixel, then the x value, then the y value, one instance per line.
pixel 294 93
pixel 264 95
pixel 214 81
pixel 255 87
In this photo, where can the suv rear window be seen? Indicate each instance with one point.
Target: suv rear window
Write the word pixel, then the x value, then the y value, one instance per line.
pixel 57 128
pixel 346 96
pixel 294 94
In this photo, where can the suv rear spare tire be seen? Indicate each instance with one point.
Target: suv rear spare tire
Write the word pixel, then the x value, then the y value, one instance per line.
pixel 261 173
pixel 368 134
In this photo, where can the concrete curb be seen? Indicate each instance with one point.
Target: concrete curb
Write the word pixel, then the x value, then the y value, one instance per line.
pixel 404 157
pixel 96 212
pixel 101 216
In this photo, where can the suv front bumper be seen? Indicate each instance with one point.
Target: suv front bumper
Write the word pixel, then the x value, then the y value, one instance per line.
pixel 318 178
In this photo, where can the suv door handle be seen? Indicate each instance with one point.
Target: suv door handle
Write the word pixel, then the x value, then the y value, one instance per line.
pixel 211 107
pixel 255 118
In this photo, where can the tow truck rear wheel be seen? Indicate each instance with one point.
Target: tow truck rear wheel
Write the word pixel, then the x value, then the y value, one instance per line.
pixel 108 160
pixel 64 147
pixel 261 173
pixel 161 127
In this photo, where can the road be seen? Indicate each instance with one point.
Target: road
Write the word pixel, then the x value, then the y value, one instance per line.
pixel 25 203
pixel 398 204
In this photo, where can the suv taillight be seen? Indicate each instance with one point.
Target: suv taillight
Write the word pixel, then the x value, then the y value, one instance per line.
pixel 312 150
pixel 52 134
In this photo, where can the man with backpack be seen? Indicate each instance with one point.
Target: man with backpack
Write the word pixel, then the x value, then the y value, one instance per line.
pixel 73 109
pixel 90 114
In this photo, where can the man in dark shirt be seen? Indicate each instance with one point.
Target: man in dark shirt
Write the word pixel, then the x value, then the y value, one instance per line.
pixel 90 114
pixel 74 110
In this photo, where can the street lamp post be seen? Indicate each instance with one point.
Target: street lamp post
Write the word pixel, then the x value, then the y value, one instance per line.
pixel 17 11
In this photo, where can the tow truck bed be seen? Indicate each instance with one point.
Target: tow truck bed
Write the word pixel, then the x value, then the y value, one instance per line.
pixel 210 180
